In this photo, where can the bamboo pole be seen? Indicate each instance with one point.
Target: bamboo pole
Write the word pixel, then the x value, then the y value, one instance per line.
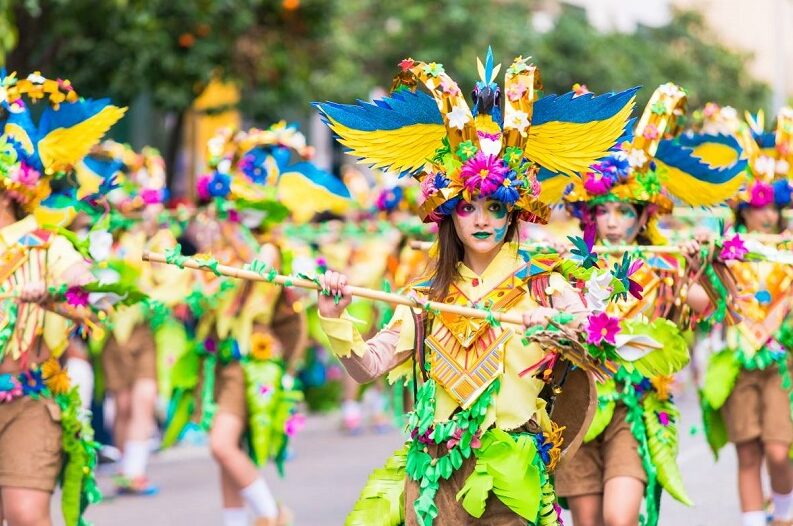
pixel 600 249
pixel 361 292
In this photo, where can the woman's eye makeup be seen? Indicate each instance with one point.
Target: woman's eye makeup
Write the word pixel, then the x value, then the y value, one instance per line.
pixel 464 209
pixel 600 211
pixel 628 212
pixel 497 209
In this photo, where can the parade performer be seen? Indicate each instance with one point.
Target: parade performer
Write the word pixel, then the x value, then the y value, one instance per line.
pixel 130 357
pixel 249 337
pixel 747 397
pixel 43 437
pixel 631 446
pixel 482 443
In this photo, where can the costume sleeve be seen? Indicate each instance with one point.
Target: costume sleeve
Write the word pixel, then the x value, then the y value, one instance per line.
pixel 367 360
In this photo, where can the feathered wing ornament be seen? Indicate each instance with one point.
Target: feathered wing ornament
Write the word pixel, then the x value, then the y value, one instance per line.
pixel 569 133
pixel 399 133
pixel 694 181
pixel 717 150
pixel 307 190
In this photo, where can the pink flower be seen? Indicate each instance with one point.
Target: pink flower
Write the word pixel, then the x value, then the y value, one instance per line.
pixel 233 216
pixel 762 194
pixel 650 132
pixel 733 249
pixel 264 390
pixel 596 183
pixel 427 186
pixel 483 174
pixel 76 297
pixel 294 424
pixel 8 394
pixel 457 436
pixel 449 87
pixel 601 328
pixel 150 196
pixel 516 91
pixel 27 175
pixel 663 418
pixel 202 187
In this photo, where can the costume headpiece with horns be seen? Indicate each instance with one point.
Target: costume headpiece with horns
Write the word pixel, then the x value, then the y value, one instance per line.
pixel 458 152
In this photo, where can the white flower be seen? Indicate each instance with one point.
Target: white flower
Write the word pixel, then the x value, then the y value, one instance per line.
pixel 252 218
pixel 670 89
pixel 637 158
pixel 104 300
pixel 100 243
pixel 518 120
pixel 458 117
pixel 764 165
pixel 598 290
pixel 490 146
pixel 782 166
pixel 224 166
pixel 36 78
pixel 728 113
pixel 107 276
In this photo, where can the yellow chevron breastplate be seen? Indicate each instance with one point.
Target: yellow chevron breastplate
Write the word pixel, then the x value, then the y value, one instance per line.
pixel 466 354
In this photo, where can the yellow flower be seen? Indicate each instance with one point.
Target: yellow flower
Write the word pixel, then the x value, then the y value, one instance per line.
pixel 554 437
pixel 55 378
pixel 662 385
pixel 261 346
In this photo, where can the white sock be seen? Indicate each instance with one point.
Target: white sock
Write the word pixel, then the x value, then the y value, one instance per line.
pixel 753 518
pixel 259 498
pixel 351 409
pixel 82 375
pixel 135 458
pixel 235 517
pixel 782 505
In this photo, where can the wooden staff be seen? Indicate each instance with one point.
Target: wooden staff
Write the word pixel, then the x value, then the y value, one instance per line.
pixel 361 292
pixel 600 249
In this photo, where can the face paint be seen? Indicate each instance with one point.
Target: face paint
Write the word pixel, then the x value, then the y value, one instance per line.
pixel 464 208
pixel 616 222
pixel 501 232
pixel 497 209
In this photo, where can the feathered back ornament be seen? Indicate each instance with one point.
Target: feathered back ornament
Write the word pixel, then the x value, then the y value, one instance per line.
pixel 458 152
pixel 31 154
pixel 653 168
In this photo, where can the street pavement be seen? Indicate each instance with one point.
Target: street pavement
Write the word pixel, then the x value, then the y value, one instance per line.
pixel 328 470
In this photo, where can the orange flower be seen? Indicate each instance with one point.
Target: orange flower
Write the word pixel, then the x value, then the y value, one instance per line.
pixel 262 345
pixel 555 438
pixel 662 385
pixel 55 378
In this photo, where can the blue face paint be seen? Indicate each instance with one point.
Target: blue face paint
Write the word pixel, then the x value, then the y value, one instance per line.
pixel 501 232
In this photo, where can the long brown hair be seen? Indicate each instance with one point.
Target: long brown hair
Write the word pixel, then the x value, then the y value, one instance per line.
pixel 451 252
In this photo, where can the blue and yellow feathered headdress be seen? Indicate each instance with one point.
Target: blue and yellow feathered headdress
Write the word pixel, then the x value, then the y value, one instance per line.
pixel 458 152
pixel 30 154
pixel 654 168
pixel 269 171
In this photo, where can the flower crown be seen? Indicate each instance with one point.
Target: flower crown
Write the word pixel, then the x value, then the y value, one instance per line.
pixel 770 161
pixel 482 152
pixel 31 155
pixel 654 167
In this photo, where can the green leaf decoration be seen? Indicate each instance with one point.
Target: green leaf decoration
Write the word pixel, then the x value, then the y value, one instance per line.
pixel 663 362
pixel 180 411
pixel 382 501
pixel 714 426
pixel 663 446
pixel 604 412
pixel 475 491
pixel 720 377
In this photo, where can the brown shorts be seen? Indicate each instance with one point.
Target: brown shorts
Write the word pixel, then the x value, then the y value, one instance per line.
pixel 230 390
pixel 758 407
pixel 614 453
pixel 30 444
pixel 134 360
pixel 450 511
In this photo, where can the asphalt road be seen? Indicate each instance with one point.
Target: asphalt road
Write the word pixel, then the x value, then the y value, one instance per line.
pixel 328 470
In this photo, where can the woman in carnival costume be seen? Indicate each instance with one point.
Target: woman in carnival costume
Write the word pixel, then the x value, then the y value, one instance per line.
pixel 482 443
pixel 43 436
pixel 630 449
pixel 747 397
pixel 249 337
pixel 130 359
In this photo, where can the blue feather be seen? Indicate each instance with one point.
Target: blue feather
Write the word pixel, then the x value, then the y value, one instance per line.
pixel 682 158
pixel 693 140
pixel 582 109
pixel 69 114
pixel 402 108
pixel 104 168
pixel 766 140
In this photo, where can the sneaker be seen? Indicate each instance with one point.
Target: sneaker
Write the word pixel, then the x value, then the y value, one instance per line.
pixel 139 486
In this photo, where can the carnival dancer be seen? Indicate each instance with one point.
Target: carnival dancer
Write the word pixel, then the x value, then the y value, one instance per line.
pixel 249 337
pixel 129 359
pixel 747 393
pixel 630 449
pixel 482 443
pixel 42 434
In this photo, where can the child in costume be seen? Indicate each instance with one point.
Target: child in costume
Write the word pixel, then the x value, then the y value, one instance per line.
pixel 631 446
pixel 747 393
pixel 249 337
pixel 482 442
pixel 43 437
pixel 130 356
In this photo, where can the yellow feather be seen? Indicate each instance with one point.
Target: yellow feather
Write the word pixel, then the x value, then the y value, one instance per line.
pixel 305 199
pixel 552 189
pixel 717 155
pixel 404 149
pixel 63 147
pixel 695 192
pixel 570 148
pixel 89 181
